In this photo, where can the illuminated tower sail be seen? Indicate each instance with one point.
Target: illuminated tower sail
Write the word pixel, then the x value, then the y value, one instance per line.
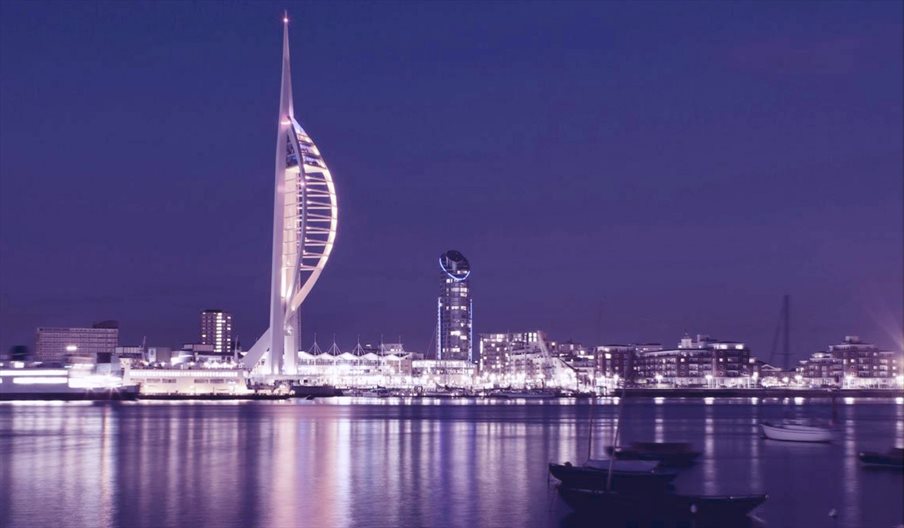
pixel 305 216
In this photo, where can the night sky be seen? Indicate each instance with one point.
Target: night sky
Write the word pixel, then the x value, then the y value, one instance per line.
pixel 613 172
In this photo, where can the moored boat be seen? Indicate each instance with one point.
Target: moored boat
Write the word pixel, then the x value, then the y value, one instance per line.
pixel 634 476
pixel 666 506
pixel 893 458
pixel 792 432
pixel 315 391
pixel 536 394
pixel 667 454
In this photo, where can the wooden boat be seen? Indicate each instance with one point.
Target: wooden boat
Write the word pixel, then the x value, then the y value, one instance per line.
pixel 666 506
pixel 792 432
pixel 667 454
pixel 629 478
pixel 893 458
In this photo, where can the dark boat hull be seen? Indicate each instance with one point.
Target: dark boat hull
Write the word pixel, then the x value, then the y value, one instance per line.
pixel 889 460
pixel 315 391
pixel 597 479
pixel 665 458
pixel 667 506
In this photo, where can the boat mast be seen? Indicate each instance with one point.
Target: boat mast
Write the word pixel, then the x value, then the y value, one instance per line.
pixel 590 430
pixel 621 406
pixel 786 344
pixel 593 394
pixel 783 331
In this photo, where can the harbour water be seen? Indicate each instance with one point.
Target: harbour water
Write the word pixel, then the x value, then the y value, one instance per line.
pixel 345 462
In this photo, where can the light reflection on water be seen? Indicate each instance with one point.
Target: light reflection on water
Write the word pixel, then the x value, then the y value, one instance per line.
pixel 378 463
pixel 851 472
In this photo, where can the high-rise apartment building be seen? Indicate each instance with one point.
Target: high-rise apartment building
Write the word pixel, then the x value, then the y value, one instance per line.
pixel 77 345
pixel 216 330
pixel 454 324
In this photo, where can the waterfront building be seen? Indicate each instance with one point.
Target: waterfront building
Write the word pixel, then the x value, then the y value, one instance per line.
pixel 583 369
pixel 77 345
pixel 187 381
pixel 493 353
pixel 521 360
pixel 852 364
pixel 700 361
pixel 822 369
pixel 348 369
pixel 431 374
pixel 454 324
pixel 216 330
pixel 305 220
pixel 498 351
pixel 615 361
pixel 865 360
pixel 569 350
pixel 767 375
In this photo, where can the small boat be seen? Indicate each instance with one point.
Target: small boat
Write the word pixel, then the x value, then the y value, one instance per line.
pixel 893 458
pixel 537 394
pixel 659 507
pixel 378 392
pixel 793 432
pixel 667 454
pixel 314 391
pixel 634 476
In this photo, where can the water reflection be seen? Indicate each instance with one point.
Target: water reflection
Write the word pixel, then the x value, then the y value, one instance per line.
pixel 659 427
pixel 851 468
pixel 899 425
pixel 755 446
pixel 709 452
pixel 293 464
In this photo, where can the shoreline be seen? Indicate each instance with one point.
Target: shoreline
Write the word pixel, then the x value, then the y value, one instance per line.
pixel 765 393
pixel 643 393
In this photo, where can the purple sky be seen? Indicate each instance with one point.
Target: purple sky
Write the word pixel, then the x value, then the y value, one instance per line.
pixel 613 172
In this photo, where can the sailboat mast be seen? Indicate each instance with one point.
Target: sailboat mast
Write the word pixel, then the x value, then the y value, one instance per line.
pixel 590 431
pixel 621 406
pixel 786 343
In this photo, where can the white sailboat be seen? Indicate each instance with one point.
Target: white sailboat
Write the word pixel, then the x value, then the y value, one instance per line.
pixel 795 432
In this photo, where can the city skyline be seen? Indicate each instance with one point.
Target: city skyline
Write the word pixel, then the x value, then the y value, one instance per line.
pixel 596 270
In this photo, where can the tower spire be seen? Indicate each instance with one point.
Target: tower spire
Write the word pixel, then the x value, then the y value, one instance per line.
pixel 285 93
